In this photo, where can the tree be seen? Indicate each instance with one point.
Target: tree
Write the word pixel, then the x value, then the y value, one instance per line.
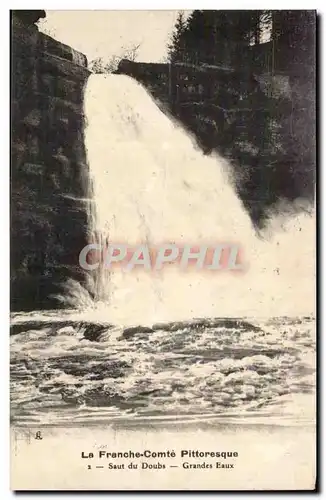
pixel 44 27
pixel 176 45
pixel 131 53
pixel 216 36
pixel 101 65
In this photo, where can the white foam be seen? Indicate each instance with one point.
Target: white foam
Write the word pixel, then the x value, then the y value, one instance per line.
pixel 151 184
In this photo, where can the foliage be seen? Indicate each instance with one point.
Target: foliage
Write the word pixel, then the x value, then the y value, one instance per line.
pixel 102 65
pixel 215 36
pixel 225 36
pixel 176 45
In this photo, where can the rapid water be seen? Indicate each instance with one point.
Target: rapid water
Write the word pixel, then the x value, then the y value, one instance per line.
pixel 218 370
pixel 150 184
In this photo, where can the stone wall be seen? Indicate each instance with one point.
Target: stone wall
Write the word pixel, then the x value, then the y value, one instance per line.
pixel 49 175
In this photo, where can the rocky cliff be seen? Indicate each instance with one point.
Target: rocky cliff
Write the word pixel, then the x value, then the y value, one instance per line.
pixel 263 123
pixel 49 174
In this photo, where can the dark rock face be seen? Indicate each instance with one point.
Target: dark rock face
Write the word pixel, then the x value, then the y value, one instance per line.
pixel 93 331
pixel 263 122
pixel 204 323
pixel 135 330
pixel 48 164
pixel 90 331
pixel 29 17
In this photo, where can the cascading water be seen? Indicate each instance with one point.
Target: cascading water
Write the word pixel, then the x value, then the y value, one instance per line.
pixel 152 185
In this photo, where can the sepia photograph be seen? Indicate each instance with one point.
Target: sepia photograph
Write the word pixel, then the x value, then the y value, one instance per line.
pixel 163 250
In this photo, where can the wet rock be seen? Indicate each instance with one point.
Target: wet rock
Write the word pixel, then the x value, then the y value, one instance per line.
pixel 69 327
pixel 134 330
pixel 201 323
pixel 26 326
pixel 172 326
pixel 93 331
pixel 233 323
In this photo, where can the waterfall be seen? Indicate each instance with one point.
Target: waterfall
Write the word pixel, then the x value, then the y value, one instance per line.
pixel 151 184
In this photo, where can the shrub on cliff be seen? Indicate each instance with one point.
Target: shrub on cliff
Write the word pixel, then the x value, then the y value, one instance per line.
pixel 102 65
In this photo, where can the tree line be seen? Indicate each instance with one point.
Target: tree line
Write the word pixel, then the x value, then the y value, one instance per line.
pixel 225 36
